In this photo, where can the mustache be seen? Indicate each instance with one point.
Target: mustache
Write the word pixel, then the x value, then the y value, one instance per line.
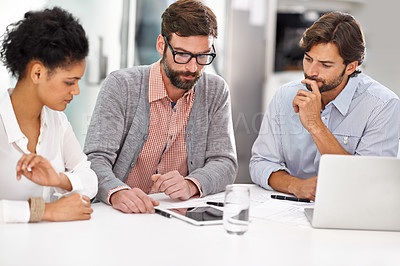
pixel 312 78
pixel 189 74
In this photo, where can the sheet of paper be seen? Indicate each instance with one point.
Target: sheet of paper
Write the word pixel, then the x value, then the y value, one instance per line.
pixel 281 211
pixel 261 206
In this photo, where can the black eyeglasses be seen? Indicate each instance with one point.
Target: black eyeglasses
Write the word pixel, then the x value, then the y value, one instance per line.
pixel 184 58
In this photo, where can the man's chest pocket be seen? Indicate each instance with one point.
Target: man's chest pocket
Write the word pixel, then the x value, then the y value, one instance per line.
pixel 348 141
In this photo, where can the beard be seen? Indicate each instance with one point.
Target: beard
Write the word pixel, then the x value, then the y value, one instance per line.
pixel 174 76
pixel 327 85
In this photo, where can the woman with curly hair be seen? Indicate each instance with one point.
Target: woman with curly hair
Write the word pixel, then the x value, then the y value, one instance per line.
pixel 44 173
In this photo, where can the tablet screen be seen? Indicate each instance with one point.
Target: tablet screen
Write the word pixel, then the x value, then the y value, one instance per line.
pixel 200 214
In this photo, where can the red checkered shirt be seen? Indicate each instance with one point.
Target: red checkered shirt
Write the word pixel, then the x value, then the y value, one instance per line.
pixel 165 149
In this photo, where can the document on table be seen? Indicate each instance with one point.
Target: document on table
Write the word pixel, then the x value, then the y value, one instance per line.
pixel 281 211
pixel 261 206
pixel 256 199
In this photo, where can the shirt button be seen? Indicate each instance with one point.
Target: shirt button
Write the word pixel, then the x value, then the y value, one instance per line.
pixel 323 118
pixel 174 110
pixel 146 137
pixel 170 137
pixel 132 164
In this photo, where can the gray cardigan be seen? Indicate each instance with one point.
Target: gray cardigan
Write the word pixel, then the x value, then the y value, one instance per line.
pixel 120 125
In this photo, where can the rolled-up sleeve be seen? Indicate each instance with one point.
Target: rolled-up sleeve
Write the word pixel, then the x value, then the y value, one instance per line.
pixel 267 155
pixel 13 211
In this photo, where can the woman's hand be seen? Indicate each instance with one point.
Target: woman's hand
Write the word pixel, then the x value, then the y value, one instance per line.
pixel 40 171
pixel 68 208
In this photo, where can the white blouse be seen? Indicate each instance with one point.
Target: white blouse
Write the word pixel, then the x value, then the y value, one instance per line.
pixel 57 143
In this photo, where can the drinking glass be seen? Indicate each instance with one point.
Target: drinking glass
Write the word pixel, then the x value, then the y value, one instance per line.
pixel 236 209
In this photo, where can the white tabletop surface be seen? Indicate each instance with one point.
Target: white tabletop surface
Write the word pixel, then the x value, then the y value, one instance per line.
pixel 114 238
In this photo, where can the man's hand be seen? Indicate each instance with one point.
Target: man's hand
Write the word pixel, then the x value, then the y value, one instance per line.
pixel 174 185
pixel 40 171
pixel 308 105
pixel 133 201
pixel 304 188
pixel 68 208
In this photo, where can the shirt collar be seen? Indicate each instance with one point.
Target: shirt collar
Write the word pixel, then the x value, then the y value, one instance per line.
pixel 343 100
pixel 7 114
pixel 10 122
pixel 157 88
pixel 44 117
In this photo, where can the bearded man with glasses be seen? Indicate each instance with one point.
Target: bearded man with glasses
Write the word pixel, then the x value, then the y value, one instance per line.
pixel 165 127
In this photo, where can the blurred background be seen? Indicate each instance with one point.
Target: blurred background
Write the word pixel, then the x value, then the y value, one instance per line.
pixel 257 49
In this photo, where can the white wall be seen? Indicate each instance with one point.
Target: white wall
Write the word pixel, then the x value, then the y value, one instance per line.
pixel 379 20
pixel 10 12
pixel 100 18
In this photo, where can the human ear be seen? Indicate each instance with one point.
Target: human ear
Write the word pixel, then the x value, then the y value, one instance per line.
pixel 160 44
pixel 351 67
pixel 36 72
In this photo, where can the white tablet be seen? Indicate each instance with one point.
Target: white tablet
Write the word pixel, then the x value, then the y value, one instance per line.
pixel 207 215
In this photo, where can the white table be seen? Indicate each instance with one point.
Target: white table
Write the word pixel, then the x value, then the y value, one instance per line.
pixel 114 238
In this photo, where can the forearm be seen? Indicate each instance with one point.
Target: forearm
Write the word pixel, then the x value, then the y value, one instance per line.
pixel 215 175
pixel 326 142
pixel 65 183
pixel 261 168
pixel 80 179
pixel 283 182
pixel 108 183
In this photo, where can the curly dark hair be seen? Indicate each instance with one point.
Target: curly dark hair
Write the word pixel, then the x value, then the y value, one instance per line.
pixel 52 36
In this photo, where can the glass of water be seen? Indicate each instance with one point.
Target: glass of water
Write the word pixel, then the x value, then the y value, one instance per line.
pixel 236 209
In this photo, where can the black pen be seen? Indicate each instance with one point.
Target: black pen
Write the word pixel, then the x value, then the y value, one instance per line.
pixel 219 204
pixel 289 198
pixel 163 213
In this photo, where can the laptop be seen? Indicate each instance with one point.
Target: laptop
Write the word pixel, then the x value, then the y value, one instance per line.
pixel 357 192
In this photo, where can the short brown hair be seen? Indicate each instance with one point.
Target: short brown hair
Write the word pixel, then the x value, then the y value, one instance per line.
pixel 188 18
pixel 341 29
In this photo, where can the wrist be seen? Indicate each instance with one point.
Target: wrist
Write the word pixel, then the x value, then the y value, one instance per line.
pixel 293 186
pixel 37 209
pixel 317 129
pixel 47 213
pixel 114 196
pixel 193 190
pixel 65 183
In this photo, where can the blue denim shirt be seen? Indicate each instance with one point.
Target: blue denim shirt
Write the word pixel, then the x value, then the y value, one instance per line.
pixel 364 118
